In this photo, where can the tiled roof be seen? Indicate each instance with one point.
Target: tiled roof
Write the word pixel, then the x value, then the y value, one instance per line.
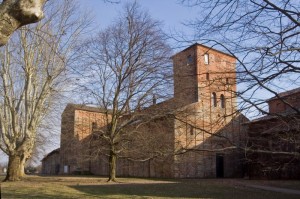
pixel 286 93
pixel 88 108
pixel 274 116
pixel 51 153
pixel 207 47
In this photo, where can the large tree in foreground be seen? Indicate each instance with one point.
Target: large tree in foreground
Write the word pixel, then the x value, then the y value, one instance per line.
pixel 17 13
pixel 125 65
pixel 32 72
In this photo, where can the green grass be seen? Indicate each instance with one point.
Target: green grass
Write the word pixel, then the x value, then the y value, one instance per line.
pixel 96 187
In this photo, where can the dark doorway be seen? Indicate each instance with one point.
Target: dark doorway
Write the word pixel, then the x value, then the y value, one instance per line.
pixel 219 165
pixel 57 169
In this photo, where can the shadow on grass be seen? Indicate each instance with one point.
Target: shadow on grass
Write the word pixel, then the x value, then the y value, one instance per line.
pixel 91 188
pixel 27 196
pixel 179 189
pixel 170 190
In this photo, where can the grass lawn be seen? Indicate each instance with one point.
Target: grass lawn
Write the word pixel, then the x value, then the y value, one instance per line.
pixel 96 187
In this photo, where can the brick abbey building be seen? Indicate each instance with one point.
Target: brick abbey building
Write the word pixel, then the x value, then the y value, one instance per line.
pixel 196 134
pixel 274 139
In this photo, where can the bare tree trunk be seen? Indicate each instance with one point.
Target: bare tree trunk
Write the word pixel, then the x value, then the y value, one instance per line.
pixel 31 82
pixel 15 166
pixel 112 165
pixel 22 164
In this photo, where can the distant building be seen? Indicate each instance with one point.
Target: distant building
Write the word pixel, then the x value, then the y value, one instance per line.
pixel 274 140
pixel 4 170
pixel 200 139
pixel 51 163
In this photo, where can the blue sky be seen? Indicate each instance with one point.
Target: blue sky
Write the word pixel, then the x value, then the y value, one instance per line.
pixel 171 13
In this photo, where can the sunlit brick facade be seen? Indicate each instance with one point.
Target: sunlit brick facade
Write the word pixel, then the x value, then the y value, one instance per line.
pixel 199 140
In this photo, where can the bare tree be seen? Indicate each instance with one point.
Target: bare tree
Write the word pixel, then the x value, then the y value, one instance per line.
pixel 262 35
pixel 125 65
pixel 33 72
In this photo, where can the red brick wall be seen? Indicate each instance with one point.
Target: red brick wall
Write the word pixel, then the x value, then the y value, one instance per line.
pixel 76 127
pixel 191 81
pixel 274 143
pixel 280 105
pixel 185 77
pixel 196 121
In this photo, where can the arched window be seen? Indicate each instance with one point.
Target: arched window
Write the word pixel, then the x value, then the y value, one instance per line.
pixel 214 99
pixel 222 99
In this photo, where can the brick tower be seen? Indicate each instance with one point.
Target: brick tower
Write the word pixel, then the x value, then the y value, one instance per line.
pixel 204 92
pixel 206 79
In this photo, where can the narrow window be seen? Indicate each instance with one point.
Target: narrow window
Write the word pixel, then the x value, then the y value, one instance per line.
pixel 214 99
pixel 207 76
pixel 206 58
pixel 227 80
pixel 222 99
pixel 189 60
pixel 192 130
pixel 94 125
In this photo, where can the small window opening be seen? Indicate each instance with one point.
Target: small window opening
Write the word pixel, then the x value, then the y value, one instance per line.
pixel 227 80
pixel 206 58
pixel 189 60
pixel 192 130
pixel 207 76
pixel 214 99
pixel 222 99
pixel 94 125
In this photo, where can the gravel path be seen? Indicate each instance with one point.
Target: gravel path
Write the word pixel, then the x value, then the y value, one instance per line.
pixel 276 189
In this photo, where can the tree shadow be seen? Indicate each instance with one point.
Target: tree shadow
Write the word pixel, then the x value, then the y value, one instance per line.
pixel 170 190
pixel 29 195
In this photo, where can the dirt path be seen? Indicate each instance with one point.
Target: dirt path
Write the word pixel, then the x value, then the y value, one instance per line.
pixel 276 189
pixel 266 187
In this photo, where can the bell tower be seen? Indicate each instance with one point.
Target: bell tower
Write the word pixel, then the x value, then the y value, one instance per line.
pixel 206 76
pixel 185 76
